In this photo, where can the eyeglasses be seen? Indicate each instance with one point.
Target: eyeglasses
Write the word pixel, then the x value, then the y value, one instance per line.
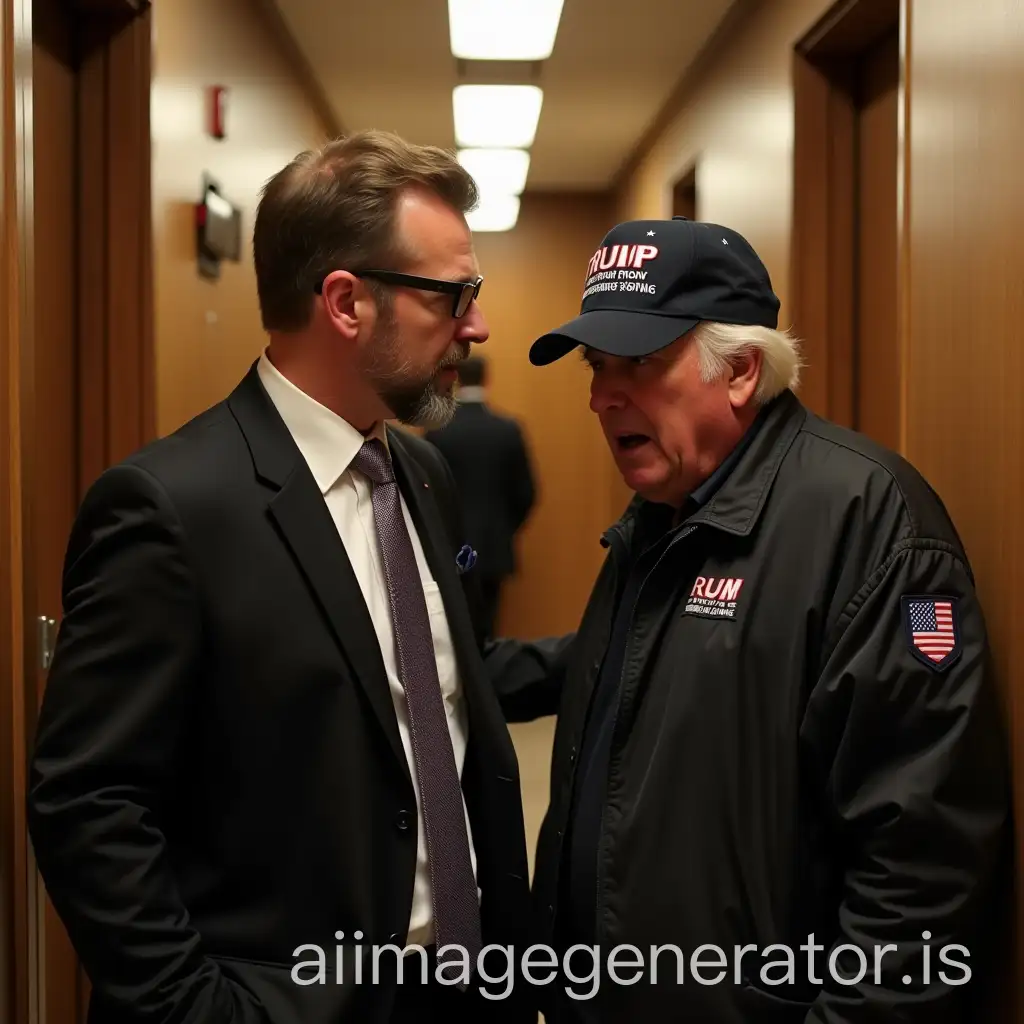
pixel 463 292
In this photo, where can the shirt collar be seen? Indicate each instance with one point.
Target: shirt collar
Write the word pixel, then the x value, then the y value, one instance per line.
pixel 327 442
pixel 471 393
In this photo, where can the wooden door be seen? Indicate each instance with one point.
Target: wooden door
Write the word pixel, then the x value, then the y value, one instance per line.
pixel 15 958
pixel 75 352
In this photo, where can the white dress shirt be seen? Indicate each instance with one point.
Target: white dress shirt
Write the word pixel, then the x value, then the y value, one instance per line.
pixel 329 444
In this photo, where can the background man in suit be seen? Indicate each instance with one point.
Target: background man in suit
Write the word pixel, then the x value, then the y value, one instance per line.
pixel 267 682
pixel 488 457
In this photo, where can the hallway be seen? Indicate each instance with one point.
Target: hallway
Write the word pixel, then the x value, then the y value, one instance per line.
pixel 869 150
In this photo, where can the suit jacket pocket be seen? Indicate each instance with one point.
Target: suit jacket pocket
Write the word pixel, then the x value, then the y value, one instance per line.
pixel 312 999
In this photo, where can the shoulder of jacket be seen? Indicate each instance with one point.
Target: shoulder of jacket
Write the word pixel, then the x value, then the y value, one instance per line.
pixel 186 451
pixel 853 467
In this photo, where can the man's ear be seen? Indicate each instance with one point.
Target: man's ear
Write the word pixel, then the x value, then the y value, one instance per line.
pixel 342 297
pixel 744 376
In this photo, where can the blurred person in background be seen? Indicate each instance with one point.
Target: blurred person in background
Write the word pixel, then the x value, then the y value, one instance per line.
pixel 267 729
pixel 490 461
pixel 779 727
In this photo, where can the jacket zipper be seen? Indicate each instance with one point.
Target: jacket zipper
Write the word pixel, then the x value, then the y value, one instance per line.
pixel 599 895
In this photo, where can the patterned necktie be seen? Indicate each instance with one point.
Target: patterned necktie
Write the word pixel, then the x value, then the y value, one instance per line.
pixel 452 885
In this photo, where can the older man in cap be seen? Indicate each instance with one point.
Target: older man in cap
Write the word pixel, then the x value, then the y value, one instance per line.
pixel 777 775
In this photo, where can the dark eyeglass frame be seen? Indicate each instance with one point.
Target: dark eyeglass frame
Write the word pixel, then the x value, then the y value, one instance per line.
pixel 463 292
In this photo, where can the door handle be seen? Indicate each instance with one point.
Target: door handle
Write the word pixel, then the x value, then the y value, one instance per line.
pixel 47 632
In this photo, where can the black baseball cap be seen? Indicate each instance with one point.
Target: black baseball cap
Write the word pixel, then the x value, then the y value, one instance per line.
pixel 651 281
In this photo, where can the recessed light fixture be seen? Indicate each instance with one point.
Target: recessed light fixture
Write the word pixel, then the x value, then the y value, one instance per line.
pixel 500 116
pixel 503 29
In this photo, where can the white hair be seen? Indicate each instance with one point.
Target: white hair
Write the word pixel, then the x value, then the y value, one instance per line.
pixel 719 344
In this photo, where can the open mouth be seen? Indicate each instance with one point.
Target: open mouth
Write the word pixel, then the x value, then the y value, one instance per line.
pixel 631 442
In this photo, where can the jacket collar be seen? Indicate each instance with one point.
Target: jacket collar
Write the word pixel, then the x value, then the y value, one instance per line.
pixel 275 455
pixel 735 502
pixel 736 505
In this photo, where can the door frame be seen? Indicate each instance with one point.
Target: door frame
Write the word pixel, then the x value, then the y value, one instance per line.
pixel 114 385
pixel 823 245
pixel 16 945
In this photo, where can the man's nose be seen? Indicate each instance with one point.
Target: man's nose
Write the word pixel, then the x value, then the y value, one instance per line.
pixel 606 395
pixel 472 327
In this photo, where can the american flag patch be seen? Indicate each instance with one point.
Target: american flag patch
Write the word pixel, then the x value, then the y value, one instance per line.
pixel 932 629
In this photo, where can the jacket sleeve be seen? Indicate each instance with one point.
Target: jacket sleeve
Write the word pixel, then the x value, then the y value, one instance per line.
pixel 111 727
pixel 528 675
pixel 903 730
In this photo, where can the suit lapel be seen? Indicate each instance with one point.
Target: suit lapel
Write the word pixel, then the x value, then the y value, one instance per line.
pixel 310 533
pixel 305 524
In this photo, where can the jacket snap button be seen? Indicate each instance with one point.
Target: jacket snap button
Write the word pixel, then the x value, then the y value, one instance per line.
pixel 403 821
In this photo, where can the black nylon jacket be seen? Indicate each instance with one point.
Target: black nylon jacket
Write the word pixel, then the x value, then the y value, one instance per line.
pixel 787 766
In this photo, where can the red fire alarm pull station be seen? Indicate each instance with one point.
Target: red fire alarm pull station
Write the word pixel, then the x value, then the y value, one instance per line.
pixel 218 111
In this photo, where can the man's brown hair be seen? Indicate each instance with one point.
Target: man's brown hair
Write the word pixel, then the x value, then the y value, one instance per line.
pixel 334 209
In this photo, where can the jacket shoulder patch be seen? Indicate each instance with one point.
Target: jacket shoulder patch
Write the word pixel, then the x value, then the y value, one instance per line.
pixel 931 626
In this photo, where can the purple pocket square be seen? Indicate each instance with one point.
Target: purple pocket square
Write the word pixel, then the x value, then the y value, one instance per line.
pixel 465 559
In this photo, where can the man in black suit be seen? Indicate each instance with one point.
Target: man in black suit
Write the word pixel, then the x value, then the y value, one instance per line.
pixel 268 683
pixel 488 457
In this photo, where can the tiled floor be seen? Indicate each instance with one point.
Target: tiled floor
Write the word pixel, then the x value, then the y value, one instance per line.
pixel 533 747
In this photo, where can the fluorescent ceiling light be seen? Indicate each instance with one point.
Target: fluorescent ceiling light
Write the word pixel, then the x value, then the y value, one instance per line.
pixel 495 213
pixel 498 171
pixel 503 29
pixel 496 115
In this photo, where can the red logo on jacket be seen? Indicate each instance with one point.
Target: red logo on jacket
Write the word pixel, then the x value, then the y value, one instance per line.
pixel 714 597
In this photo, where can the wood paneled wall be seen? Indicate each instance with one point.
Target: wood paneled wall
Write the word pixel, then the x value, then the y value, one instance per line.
pixel 964 357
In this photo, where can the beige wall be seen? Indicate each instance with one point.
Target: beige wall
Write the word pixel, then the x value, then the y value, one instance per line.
pixel 533 282
pixel 962 300
pixel 207 333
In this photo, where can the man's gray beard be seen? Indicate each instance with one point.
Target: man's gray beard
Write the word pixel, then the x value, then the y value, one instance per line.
pixel 412 400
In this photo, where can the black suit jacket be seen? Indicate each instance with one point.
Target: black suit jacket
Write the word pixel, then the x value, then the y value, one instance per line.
pixel 218 777
pixel 489 460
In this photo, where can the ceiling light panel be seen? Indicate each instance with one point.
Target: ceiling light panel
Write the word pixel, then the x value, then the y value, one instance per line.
pixel 503 29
